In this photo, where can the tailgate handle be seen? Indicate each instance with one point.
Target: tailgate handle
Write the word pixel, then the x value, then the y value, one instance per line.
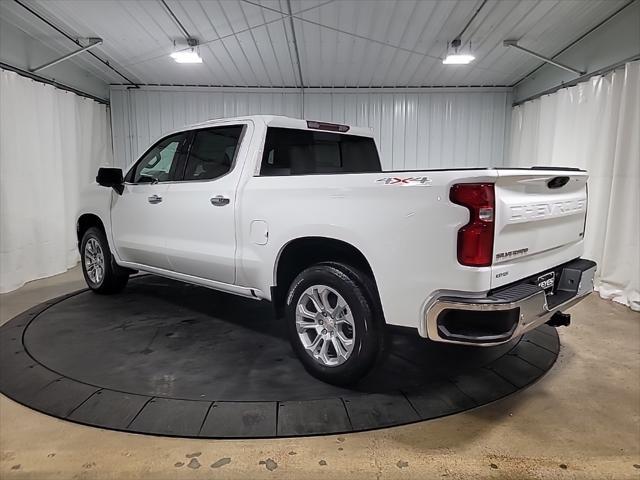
pixel 557 182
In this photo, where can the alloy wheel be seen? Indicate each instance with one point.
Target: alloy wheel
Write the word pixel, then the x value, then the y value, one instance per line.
pixel 94 261
pixel 325 325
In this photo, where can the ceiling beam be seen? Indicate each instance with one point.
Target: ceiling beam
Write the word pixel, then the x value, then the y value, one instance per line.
pixel 473 17
pixel 339 30
pixel 297 52
pixel 94 42
pixel 514 44
pixel 175 19
pixel 575 42
pixel 66 35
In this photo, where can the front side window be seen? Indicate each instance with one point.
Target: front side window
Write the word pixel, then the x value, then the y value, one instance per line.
pixel 212 152
pixel 159 163
pixel 289 151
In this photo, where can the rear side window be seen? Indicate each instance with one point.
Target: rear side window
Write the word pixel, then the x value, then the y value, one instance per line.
pixel 289 151
pixel 212 152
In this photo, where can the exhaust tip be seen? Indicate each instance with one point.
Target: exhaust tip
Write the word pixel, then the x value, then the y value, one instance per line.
pixel 560 319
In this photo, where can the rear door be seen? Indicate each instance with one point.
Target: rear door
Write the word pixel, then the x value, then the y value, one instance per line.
pixel 540 221
pixel 201 235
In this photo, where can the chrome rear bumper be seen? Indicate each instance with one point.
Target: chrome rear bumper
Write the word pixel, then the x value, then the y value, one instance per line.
pixel 509 312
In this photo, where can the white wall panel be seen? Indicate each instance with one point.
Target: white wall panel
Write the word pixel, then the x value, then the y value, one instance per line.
pixel 414 129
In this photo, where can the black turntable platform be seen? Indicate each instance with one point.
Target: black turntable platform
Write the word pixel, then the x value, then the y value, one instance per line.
pixel 168 358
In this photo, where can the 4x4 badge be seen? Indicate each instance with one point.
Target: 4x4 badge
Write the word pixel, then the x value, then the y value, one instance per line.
pixel 406 181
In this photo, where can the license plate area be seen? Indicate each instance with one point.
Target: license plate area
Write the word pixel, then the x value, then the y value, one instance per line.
pixel 547 281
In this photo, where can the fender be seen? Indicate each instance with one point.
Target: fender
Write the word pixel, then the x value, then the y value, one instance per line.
pixel 96 200
pixel 328 232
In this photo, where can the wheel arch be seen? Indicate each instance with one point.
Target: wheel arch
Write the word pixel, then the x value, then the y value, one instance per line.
pixel 85 222
pixel 302 252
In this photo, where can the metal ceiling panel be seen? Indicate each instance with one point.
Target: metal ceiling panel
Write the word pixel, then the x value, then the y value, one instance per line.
pixel 353 43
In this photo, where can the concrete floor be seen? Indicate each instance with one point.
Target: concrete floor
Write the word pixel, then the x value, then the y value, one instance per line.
pixel 580 421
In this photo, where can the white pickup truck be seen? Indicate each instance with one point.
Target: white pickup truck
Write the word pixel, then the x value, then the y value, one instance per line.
pixel 300 213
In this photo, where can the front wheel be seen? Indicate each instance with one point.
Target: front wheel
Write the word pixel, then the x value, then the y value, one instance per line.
pixel 334 322
pixel 100 271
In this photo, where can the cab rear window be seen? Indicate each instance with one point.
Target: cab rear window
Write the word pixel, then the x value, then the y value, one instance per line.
pixel 289 151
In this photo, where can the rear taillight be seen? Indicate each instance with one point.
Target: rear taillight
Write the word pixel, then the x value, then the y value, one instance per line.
pixel 475 239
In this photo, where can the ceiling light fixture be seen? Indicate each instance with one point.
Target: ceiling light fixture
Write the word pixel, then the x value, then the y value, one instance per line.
pixel 455 56
pixel 191 54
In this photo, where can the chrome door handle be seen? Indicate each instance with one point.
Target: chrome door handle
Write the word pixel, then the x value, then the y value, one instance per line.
pixel 219 201
pixel 154 199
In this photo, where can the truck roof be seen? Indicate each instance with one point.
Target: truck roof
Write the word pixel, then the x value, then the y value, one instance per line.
pixel 282 122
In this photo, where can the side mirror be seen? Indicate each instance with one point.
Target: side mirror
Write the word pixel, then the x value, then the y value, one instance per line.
pixel 111 177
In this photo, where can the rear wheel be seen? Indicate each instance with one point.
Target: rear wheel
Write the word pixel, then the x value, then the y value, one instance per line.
pixel 100 271
pixel 334 322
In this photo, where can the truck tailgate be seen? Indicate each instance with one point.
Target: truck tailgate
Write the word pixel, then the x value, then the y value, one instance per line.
pixel 539 223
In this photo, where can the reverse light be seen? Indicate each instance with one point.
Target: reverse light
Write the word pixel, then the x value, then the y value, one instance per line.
pixel 475 239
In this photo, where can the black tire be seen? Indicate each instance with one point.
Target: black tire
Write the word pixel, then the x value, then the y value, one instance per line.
pixel 114 278
pixel 358 290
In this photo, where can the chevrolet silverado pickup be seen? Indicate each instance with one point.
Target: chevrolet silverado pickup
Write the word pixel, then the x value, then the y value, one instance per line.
pixel 300 213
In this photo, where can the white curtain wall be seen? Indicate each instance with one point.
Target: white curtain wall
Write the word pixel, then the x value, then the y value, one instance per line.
pixel 51 143
pixel 414 128
pixel 596 126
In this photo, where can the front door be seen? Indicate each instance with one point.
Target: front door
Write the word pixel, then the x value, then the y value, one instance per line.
pixel 139 216
pixel 201 240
